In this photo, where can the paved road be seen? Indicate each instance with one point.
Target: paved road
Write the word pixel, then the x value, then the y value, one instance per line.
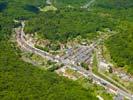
pixel 24 45
pixel 88 4
pixel 102 81
pixel 100 59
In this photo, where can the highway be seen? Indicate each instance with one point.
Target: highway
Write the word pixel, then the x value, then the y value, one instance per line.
pixel 20 36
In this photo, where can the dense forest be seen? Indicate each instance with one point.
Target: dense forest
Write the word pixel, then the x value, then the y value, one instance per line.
pixel 114 4
pixel 66 24
pixel 20 80
pixel 120 45
pixel 69 22
pixel 69 3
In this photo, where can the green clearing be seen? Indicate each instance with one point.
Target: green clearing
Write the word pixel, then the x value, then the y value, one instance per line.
pixel 48 8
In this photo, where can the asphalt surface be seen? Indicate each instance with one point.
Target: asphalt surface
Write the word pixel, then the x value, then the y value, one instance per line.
pixel 24 45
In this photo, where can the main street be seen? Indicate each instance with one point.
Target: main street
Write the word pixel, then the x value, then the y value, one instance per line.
pixel 25 46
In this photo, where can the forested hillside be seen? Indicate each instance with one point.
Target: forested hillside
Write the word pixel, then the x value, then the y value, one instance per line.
pixel 115 4
pixel 69 3
pixel 120 45
pixel 20 80
pixel 20 9
pixel 66 24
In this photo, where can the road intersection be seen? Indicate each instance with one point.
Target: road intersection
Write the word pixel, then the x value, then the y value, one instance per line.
pixel 83 54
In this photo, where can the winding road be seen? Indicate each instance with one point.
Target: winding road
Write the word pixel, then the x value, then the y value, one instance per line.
pixel 20 36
